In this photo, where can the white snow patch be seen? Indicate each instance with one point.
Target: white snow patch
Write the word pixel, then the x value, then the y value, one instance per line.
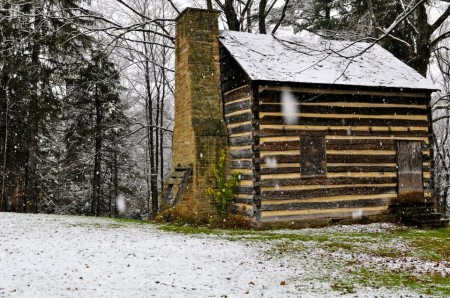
pixel 297 59
pixel 68 256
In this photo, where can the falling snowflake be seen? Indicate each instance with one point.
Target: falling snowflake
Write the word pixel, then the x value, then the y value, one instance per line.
pixel 271 162
pixel 289 108
pixel 120 203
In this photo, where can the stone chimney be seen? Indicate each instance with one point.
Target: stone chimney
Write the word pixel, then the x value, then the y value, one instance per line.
pixel 199 131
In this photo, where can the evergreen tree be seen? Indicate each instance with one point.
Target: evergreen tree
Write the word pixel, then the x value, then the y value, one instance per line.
pixel 96 127
pixel 39 41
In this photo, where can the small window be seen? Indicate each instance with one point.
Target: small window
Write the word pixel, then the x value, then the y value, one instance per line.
pixel 313 158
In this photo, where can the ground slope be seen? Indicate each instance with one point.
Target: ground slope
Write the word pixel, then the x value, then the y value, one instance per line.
pixel 67 256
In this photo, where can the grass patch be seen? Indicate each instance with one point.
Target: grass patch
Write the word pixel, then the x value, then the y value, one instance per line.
pixel 428 245
pixel 243 234
pixel 433 245
pixel 428 284
pixel 134 221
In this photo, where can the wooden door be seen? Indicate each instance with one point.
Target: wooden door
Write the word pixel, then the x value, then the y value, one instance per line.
pixel 410 171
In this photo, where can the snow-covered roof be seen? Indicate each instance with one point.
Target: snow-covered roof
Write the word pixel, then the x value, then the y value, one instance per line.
pixel 318 61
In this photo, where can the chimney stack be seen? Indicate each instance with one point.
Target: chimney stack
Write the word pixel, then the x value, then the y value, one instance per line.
pixel 199 130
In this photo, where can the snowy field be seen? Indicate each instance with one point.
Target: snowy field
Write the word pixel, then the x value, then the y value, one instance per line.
pixel 67 256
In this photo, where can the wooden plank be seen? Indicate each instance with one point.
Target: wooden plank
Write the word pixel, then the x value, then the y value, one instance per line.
pixel 371 104
pixel 361 152
pixel 350 168
pixel 353 110
pixel 389 196
pixel 292 215
pixel 410 171
pixel 274 97
pixel 231 148
pixel 241 164
pixel 280 146
pixel 351 116
pixel 280 138
pixel 334 175
pixel 237 106
pixel 377 138
pixel 328 205
pixel 281 165
pixel 318 186
pixel 309 121
pixel 241 141
pixel 279 153
pixel 350 158
pixel 284 170
pixel 280 159
pixel 241 154
pixel 246 182
pixel 177 174
pixel 349 129
pixel 314 193
pixel 246 127
pixel 326 181
pixel 335 212
pixel 240 112
pixel 342 131
pixel 175 181
pixel 388 94
pixel 244 190
pixel 244 176
pixel 358 174
pixel 314 158
pixel 238 93
pixel 244 201
pixel 362 144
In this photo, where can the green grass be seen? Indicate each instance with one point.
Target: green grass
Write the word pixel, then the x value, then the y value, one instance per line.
pixel 111 223
pixel 135 221
pixel 427 245
pixel 239 234
pixel 428 284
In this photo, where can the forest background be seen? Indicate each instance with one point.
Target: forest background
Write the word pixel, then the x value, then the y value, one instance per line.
pixel 87 87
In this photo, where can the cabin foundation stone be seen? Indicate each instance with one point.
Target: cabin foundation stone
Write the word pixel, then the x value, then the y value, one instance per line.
pixel 199 131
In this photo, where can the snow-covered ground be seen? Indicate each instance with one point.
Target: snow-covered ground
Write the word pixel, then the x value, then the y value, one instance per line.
pixel 67 256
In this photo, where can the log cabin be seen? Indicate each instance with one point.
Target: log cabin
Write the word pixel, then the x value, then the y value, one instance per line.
pixel 317 129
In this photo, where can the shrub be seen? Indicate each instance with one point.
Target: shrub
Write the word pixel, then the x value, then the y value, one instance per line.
pixel 183 214
pixel 223 192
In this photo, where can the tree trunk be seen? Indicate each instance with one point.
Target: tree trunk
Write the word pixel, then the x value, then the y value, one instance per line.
pixel 3 198
pixel 96 181
pixel 209 4
pixel 423 54
pixel 116 176
pixel 150 139
pixel 34 114
pixel 249 17
pixel 262 16
pixel 327 8
pixel 231 16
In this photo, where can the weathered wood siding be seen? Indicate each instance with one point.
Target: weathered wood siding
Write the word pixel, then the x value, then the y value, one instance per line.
pixel 360 132
pixel 238 118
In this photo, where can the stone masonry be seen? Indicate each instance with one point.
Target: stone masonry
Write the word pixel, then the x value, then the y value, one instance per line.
pixel 199 132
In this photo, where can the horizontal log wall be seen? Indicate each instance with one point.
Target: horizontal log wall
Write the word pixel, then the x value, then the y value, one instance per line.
pixel 361 133
pixel 238 116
